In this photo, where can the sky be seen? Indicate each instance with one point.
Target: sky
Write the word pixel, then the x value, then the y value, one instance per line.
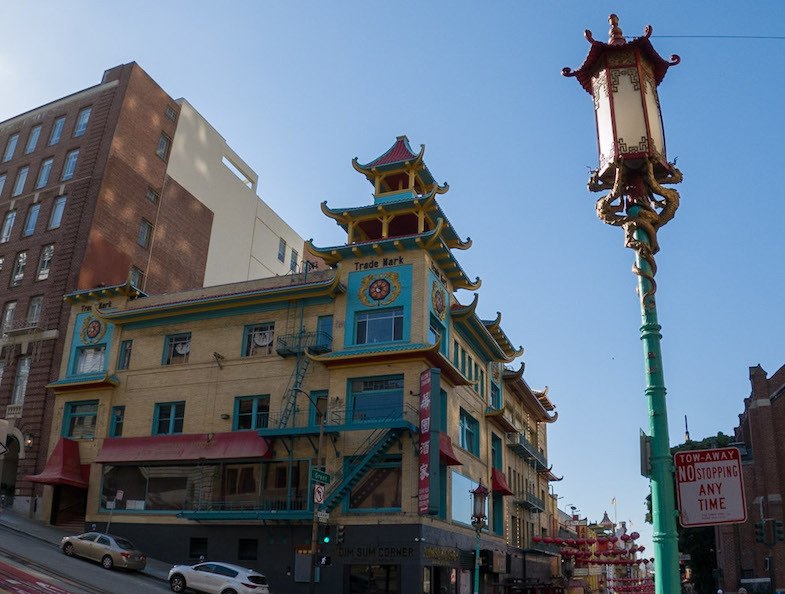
pixel 300 88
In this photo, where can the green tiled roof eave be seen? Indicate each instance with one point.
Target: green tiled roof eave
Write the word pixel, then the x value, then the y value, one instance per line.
pixel 377 349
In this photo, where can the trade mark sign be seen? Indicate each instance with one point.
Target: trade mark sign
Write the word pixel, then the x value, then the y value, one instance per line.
pixel 710 487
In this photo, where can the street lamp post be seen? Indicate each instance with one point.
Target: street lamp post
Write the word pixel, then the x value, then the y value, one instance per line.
pixel 479 497
pixel 622 78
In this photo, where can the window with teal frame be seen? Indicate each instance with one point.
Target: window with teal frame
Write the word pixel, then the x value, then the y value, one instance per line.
pixel 168 418
pixel 79 419
pixel 436 334
pixel 379 489
pixel 482 384
pixel 470 433
pixel 118 418
pixel 497 521
pixel 324 333
pixel 373 398
pixel 496 396
pixel 496 451
pixel 124 356
pixel 455 350
pixel 251 412
pixel 384 325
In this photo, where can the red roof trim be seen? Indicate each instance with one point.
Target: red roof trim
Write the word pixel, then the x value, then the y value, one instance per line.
pixel 398 153
pixel 63 467
pixel 499 483
pixel 198 446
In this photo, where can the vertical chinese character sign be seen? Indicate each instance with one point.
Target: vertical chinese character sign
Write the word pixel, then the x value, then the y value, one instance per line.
pixel 424 466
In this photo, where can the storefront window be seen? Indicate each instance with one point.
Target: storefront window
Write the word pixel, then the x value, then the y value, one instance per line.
pixel 374 579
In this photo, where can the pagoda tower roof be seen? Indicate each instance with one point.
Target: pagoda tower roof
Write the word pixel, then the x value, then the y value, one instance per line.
pixel 400 155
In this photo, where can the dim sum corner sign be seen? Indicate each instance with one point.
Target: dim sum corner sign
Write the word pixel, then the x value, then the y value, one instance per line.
pixel 710 487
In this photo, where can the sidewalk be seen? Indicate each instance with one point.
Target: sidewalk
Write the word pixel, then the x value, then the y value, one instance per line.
pixel 155 569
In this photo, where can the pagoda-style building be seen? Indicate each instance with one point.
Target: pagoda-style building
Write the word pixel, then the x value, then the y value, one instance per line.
pixel 364 394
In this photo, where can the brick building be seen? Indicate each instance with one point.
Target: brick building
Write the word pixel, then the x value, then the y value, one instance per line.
pixel 203 414
pixel 96 188
pixel 743 561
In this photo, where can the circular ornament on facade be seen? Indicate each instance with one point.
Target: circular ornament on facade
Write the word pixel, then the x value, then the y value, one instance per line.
pixel 438 300
pixel 379 289
pixel 92 330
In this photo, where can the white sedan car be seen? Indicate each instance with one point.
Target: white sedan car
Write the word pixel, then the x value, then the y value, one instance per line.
pixel 214 577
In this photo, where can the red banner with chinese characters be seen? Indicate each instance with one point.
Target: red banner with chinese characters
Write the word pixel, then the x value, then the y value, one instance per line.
pixel 424 472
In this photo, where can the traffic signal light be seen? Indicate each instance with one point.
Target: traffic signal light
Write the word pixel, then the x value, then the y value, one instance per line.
pixel 339 534
pixel 779 531
pixel 326 537
pixel 760 531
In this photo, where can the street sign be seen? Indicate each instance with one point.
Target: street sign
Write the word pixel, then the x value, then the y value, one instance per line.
pixel 710 487
pixel 318 493
pixel 323 516
pixel 319 476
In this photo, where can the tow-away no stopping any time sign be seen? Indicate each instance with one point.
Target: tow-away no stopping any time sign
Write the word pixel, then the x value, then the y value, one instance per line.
pixel 710 487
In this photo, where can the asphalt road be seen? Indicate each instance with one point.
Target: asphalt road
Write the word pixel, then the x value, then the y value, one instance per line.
pixel 31 566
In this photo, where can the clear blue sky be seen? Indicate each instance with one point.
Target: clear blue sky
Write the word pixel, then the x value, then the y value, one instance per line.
pixel 299 88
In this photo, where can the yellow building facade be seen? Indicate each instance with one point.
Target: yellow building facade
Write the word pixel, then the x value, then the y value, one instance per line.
pixel 217 421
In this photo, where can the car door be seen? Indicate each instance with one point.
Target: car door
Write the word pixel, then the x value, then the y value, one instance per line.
pixel 200 577
pixel 101 546
pixel 83 544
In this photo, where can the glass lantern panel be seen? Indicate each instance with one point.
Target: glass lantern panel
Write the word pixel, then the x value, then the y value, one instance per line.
pixel 656 133
pixel 602 111
pixel 631 133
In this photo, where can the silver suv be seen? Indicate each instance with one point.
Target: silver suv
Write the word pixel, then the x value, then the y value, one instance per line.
pixel 214 577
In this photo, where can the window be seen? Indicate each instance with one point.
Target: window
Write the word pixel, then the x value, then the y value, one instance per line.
pixel 2 182
pixel 8 226
pixel 32 140
pixel 20 384
pixel 69 167
pixel 145 231
pixel 246 547
pixel 57 130
pixel 281 249
pixel 2 369
pixel 379 488
pixel 251 412
pixel 470 433
pixel 18 273
pixel 124 357
pixel 90 359
pixel 379 326
pixel 176 349
pixel 45 262
pixel 152 196
pixel 79 419
pixel 43 173
pixel 434 331
pixel 168 418
pixel 197 547
pixel 9 310
pixel 136 277
pixel 34 310
pixel 496 396
pixel 496 452
pixel 461 507
pixel 21 179
pixel 258 340
pixel 10 147
pixel 318 407
pixel 31 219
pixel 164 143
pixel 455 352
pixel 376 398
pixel 170 114
pixel 324 332
pixel 118 418
pixel 56 217
pixel 81 121
pixel 463 361
pixel 293 261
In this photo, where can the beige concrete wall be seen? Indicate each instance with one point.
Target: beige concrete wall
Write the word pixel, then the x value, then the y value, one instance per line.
pixel 245 233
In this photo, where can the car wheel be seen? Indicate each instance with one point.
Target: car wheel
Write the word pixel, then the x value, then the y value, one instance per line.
pixel 177 583
pixel 68 549
pixel 107 562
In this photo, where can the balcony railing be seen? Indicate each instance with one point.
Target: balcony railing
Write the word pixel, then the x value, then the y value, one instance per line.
pixel 292 508
pixel 527 450
pixel 303 420
pixel 530 501
pixel 289 345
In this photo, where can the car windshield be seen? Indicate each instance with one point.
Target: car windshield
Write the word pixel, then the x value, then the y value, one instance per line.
pixel 258 579
pixel 125 544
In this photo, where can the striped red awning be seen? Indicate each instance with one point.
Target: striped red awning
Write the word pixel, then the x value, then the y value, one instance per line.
pixel 189 446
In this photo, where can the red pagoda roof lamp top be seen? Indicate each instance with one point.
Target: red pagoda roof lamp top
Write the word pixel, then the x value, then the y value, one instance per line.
pixel 617 43
pixel 400 152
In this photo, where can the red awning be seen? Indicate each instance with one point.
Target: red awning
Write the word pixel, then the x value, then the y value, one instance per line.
pixel 499 483
pixel 446 454
pixel 63 467
pixel 194 446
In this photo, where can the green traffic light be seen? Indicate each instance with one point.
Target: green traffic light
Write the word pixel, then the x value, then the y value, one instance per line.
pixel 326 539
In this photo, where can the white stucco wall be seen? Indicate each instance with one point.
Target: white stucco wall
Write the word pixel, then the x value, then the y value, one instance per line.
pixel 246 231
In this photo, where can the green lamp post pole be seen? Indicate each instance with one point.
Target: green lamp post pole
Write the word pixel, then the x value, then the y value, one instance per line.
pixel 622 78
pixel 479 497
